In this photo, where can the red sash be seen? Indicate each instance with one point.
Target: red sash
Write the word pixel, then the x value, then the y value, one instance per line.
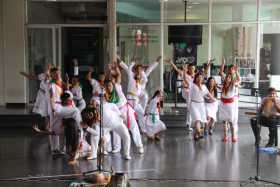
pixel 227 100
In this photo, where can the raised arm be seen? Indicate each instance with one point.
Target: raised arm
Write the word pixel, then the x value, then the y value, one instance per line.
pixel 207 68
pixel 29 76
pixel 152 66
pixel 122 64
pixel 222 68
pixel 169 61
pixel 88 77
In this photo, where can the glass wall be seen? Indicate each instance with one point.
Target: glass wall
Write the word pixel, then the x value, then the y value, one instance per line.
pixel 40 53
pixel 269 55
pixel 229 31
pixel 181 53
pixel 186 11
pixel 270 10
pixel 138 11
pixel 59 12
pixel 234 10
pixel 142 43
pixel 237 45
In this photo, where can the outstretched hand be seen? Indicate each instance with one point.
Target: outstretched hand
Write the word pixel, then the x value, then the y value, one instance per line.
pixel 36 128
pixel 168 60
pixel 158 59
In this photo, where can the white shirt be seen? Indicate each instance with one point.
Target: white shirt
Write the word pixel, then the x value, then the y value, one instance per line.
pixel 197 95
pixel 121 95
pixel 153 107
pixel 77 92
pixel 96 88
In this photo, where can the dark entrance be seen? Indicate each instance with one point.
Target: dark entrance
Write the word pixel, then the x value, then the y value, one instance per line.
pixel 85 45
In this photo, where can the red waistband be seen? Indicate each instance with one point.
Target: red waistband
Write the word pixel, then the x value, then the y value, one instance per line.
pixel 227 100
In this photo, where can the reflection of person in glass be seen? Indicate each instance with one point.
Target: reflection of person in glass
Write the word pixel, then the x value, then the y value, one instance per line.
pixel 270 113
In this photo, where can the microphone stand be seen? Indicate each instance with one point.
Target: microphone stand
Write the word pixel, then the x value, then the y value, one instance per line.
pixel 101 134
pixel 257 178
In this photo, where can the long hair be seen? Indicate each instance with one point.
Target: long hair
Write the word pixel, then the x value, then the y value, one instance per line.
pixel 215 86
pixel 111 97
pixel 157 92
pixel 226 87
pixel 72 135
pixel 196 77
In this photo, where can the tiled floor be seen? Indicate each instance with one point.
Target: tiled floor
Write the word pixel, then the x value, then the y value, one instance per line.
pixel 174 161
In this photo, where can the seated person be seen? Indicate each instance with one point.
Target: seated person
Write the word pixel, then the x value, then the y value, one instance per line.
pixel 270 114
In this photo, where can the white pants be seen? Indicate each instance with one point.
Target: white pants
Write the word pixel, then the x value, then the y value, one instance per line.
pixel 130 120
pixel 121 131
pixel 143 99
pixel 80 104
pixel 188 117
pixel 56 141
pixel 139 113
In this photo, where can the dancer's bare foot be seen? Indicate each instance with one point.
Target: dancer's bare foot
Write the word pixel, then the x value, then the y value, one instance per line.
pixel 72 162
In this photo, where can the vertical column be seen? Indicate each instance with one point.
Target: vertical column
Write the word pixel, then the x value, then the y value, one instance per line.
pixel 2 93
pixel 275 55
pixel 14 51
pixel 257 77
pixel 210 34
pixel 161 43
pixel 112 29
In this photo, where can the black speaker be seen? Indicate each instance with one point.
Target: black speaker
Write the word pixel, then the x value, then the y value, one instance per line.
pixel 190 34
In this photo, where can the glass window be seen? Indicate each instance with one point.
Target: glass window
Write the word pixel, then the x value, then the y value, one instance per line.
pixel 66 12
pixel 186 11
pixel 40 54
pixel 143 43
pixel 138 11
pixel 269 56
pixel 183 49
pixel 270 10
pixel 237 44
pixel 234 10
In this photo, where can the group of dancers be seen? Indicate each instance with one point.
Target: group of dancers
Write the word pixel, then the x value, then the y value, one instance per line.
pixel 74 126
pixel 201 94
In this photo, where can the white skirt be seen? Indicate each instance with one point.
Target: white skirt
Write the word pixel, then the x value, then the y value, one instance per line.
pixel 42 104
pixel 153 127
pixel 229 112
pixel 198 112
pixel 212 109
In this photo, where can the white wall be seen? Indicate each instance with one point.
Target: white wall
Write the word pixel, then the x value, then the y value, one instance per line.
pixel 2 96
pixel 14 57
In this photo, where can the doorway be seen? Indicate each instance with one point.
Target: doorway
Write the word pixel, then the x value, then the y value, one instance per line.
pixel 84 45
pixel 59 46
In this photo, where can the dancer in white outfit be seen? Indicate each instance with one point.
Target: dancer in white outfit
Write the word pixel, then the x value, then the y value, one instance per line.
pixel 42 104
pixel 97 85
pixel 198 92
pixel 77 94
pixel 112 121
pixel 143 74
pixel 114 94
pixel 153 123
pixel 134 90
pixel 65 110
pixel 228 112
pixel 187 74
pixel 211 105
pixel 235 81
